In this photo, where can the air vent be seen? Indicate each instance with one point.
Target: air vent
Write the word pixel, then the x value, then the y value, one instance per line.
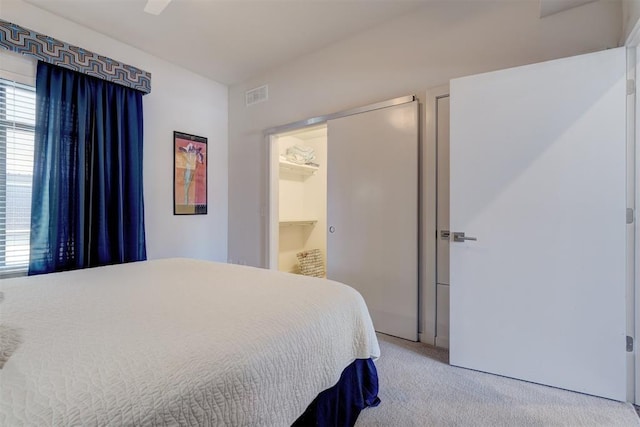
pixel 257 95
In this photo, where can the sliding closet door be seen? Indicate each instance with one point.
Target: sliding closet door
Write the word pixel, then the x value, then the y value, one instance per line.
pixel 372 213
pixel 538 178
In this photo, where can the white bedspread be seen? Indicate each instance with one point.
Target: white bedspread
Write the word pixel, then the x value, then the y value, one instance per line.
pixel 176 342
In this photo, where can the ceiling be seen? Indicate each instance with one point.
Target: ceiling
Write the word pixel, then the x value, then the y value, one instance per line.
pixel 230 41
pixel 550 7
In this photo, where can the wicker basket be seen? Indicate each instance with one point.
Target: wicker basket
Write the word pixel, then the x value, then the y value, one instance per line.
pixel 311 263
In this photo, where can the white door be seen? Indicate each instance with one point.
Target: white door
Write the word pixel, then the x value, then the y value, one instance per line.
pixel 538 177
pixel 372 212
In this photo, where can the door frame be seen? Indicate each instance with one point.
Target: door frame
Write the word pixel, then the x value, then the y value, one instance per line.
pixel 632 284
pixel 633 201
pixel 633 306
pixel 270 135
pixel 273 216
pixel 428 208
pixel 273 192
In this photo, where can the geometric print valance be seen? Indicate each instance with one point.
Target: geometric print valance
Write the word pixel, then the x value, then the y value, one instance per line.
pixel 27 42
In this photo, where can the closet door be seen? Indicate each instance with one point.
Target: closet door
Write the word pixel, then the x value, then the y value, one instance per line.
pixel 372 212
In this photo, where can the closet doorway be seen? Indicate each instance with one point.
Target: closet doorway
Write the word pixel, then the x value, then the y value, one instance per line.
pixel 359 208
pixel 299 184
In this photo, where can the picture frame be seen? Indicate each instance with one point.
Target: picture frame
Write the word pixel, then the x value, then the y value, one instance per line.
pixel 190 174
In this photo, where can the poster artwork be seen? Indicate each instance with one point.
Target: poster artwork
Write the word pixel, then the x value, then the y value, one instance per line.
pixel 190 174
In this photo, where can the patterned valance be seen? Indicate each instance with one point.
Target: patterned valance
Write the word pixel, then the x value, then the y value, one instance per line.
pixel 27 42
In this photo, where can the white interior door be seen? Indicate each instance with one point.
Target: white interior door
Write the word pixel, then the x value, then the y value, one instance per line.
pixel 538 177
pixel 372 213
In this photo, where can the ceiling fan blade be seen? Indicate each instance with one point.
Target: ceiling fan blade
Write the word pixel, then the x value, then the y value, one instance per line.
pixel 155 7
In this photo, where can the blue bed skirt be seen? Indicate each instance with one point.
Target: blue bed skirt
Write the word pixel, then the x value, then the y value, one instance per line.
pixel 341 404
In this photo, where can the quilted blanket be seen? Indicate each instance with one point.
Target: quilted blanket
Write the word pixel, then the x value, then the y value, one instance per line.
pixel 176 342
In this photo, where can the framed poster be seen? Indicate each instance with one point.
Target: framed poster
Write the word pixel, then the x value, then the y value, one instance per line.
pixel 189 174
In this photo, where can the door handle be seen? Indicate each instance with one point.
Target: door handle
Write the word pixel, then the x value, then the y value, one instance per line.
pixel 458 236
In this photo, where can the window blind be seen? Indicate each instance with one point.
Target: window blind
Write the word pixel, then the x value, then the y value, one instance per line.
pixel 17 131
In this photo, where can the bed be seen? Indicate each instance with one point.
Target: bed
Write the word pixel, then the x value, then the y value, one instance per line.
pixel 183 342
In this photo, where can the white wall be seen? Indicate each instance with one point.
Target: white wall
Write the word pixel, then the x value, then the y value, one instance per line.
pixel 179 100
pixel 630 16
pixel 441 41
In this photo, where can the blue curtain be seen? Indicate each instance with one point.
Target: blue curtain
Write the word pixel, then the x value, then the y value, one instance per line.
pixel 87 206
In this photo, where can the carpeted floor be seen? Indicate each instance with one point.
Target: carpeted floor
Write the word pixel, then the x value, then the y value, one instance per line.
pixel 419 388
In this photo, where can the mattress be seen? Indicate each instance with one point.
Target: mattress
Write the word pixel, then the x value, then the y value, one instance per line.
pixel 176 342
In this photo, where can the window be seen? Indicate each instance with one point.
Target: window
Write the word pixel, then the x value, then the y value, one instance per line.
pixel 17 131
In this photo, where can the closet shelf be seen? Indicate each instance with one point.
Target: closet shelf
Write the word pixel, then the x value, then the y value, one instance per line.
pixel 303 222
pixel 303 170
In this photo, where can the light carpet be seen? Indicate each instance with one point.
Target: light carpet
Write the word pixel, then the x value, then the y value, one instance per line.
pixel 419 388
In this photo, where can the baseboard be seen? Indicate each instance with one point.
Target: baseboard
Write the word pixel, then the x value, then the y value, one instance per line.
pixel 442 342
pixel 425 338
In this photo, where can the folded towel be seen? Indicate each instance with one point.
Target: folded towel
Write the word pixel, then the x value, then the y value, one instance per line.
pixel 301 154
